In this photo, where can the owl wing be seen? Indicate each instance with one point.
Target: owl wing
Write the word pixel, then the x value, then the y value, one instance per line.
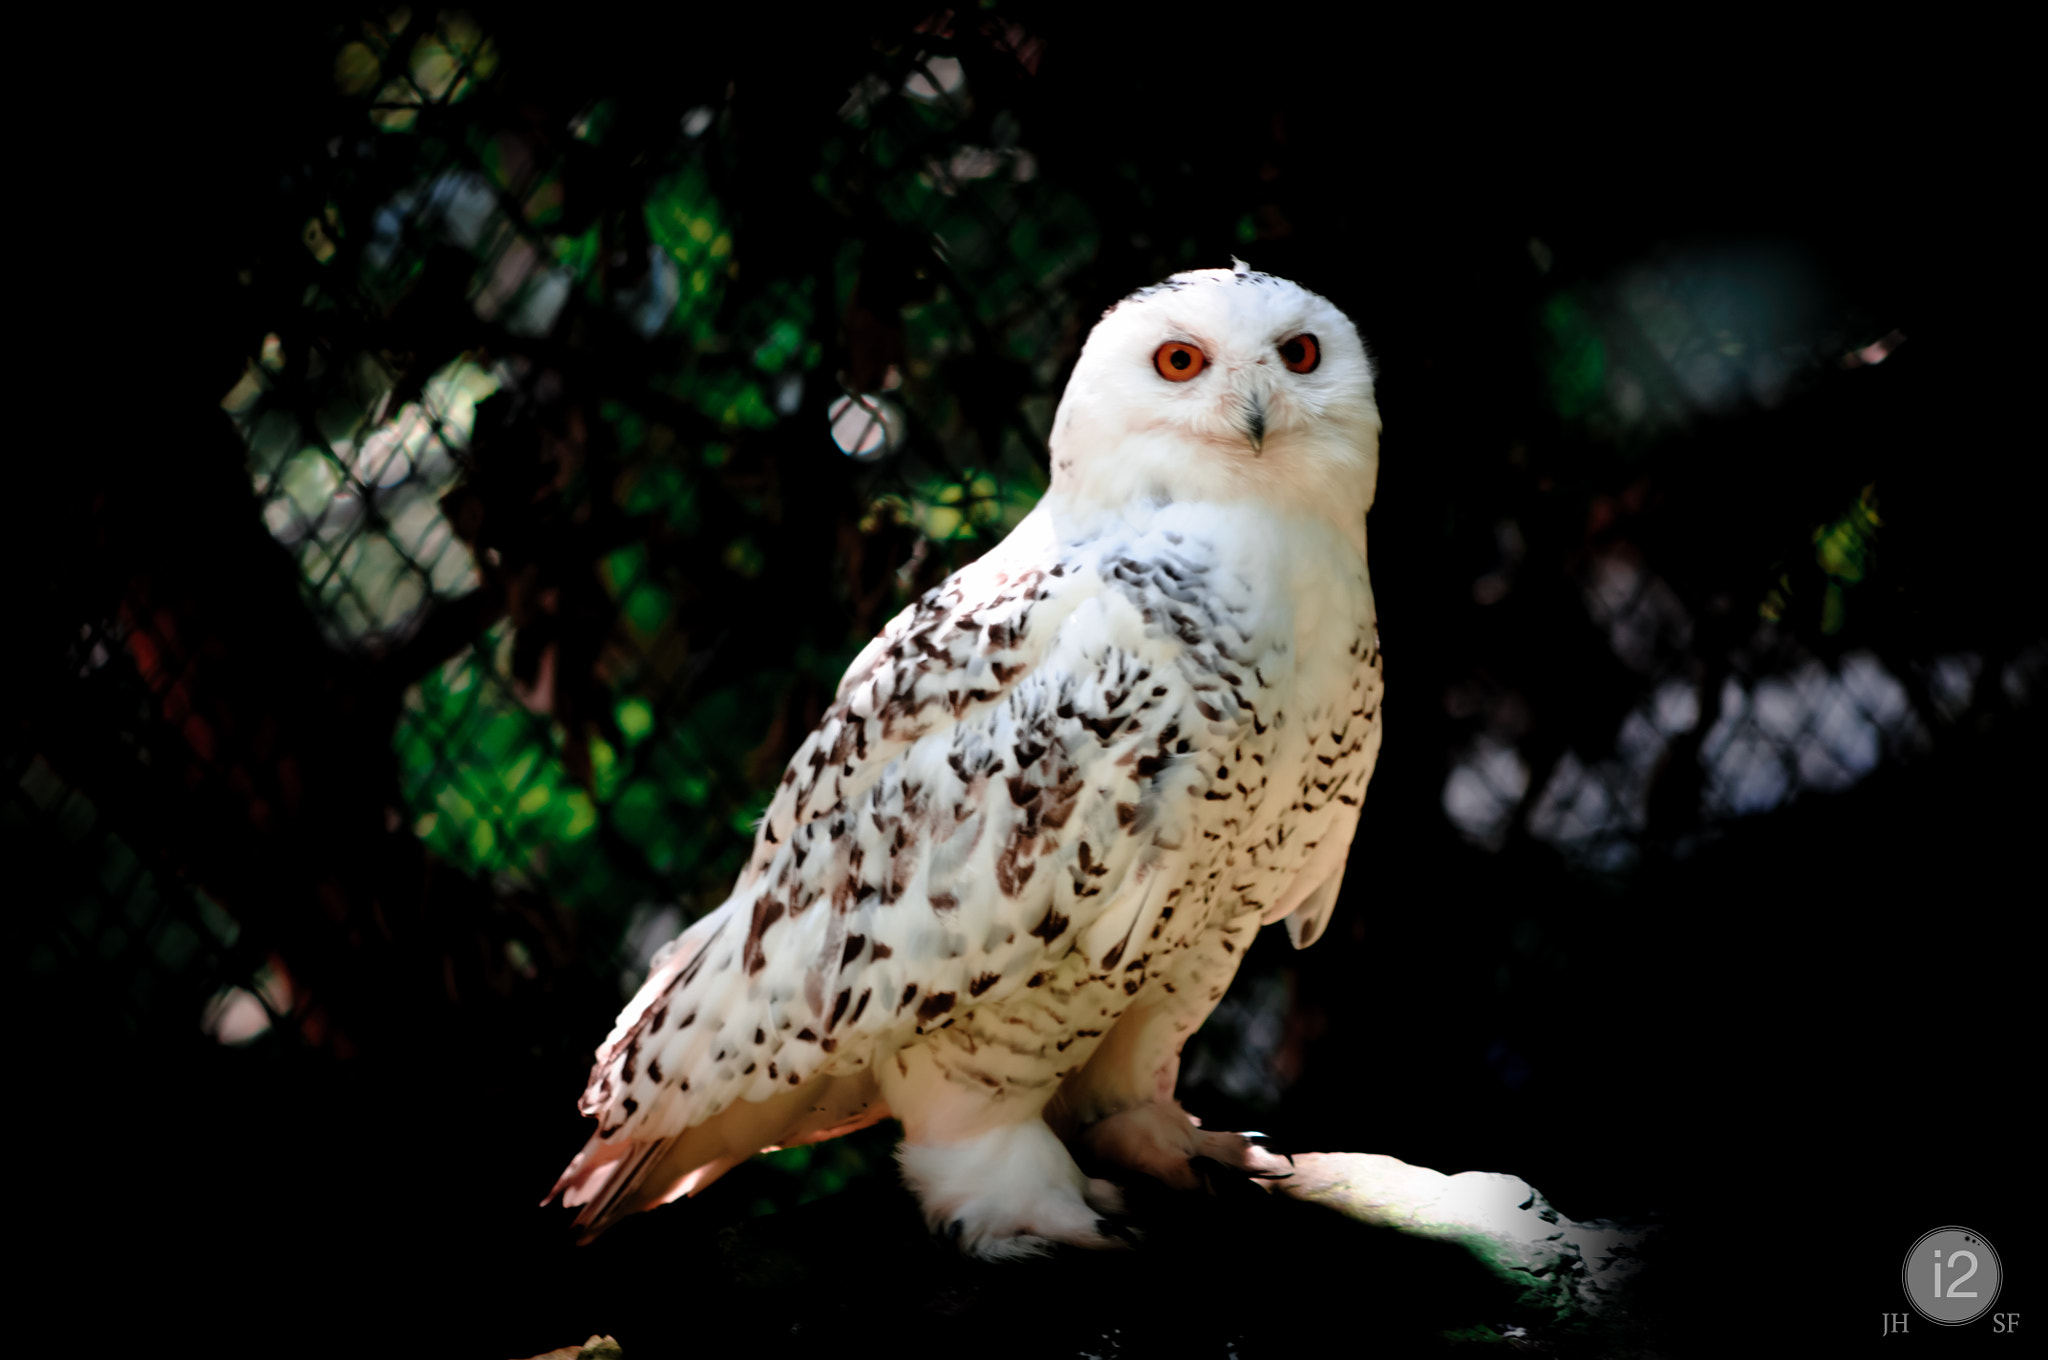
pixel 989 791
pixel 1354 744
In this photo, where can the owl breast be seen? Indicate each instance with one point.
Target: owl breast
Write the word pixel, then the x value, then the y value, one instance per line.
pixel 1254 763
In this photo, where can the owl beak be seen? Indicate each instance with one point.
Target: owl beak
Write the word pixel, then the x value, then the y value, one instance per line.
pixel 1255 423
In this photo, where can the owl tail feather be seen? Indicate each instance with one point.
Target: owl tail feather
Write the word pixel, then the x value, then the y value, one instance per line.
pixel 611 1178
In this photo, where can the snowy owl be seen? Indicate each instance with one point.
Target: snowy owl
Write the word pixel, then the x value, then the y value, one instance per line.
pixel 1020 860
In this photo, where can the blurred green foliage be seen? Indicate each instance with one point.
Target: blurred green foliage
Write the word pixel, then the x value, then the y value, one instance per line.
pixel 1578 363
pixel 486 783
pixel 654 798
pixel 1845 551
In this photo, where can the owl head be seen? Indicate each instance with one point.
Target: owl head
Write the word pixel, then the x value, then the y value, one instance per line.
pixel 1221 384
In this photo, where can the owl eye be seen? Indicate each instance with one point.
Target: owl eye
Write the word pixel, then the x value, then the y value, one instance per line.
pixel 1177 361
pixel 1301 354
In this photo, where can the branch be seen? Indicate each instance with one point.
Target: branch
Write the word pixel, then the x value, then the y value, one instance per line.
pixel 1561 1267
pixel 1400 1259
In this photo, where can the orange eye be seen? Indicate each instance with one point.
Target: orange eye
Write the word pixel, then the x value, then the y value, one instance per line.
pixel 1177 361
pixel 1301 354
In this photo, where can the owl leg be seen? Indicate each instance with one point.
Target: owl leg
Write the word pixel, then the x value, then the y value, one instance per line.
pixel 988 1172
pixel 1120 1107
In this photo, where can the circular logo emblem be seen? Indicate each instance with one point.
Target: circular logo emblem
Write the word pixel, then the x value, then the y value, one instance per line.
pixel 1952 1276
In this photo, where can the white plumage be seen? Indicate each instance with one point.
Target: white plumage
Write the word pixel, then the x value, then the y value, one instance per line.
pixel 1020 859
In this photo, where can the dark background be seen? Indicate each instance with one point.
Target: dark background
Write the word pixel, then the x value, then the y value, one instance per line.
pixel 1793 1033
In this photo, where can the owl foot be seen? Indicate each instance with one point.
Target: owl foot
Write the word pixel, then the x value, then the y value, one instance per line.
pixel 1165 1142
pixel 1010 1192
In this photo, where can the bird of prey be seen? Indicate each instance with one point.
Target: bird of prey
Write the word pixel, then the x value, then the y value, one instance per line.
pixel 1021 857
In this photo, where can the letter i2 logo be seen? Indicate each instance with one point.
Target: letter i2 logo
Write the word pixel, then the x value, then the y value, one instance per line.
pixel 1952 1276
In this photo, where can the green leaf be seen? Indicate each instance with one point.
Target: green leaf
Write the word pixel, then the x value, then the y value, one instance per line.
pixel 636 720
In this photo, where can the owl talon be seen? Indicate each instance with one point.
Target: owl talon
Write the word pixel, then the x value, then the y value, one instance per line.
pixel 1264 1143
pixel 1124 1233
pixel 1162 1141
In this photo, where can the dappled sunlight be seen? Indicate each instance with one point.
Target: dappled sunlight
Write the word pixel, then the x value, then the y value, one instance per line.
pixel 363 520
pixel 242 1015
pixel 1786 725
pixel 1644 619
pixel 1483 790
pixel 1814 729
pixel 865 428
pixel 440 67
